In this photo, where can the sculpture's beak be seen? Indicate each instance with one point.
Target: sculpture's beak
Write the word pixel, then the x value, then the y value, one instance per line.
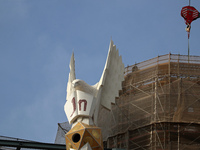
pixel 75 83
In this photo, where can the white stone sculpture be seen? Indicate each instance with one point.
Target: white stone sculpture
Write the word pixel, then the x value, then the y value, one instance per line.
pixel 83 100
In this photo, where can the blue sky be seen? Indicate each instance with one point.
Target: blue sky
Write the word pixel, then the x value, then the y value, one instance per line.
pixel 37 38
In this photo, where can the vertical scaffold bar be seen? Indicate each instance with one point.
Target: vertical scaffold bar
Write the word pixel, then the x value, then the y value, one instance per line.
pixel 169 76
pixel 188 50
pixel 178 136
pixel 127 139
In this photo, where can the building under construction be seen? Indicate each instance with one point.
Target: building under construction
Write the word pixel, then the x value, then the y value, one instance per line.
pixel 158 108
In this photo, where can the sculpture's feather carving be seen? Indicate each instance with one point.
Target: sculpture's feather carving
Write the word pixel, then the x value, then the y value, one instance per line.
pixel 112 77
pixel 72 76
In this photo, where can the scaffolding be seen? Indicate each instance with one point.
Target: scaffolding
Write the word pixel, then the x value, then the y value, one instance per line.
pixel 158 107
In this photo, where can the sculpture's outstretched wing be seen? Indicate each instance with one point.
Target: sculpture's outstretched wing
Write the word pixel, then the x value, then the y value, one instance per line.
pixel 72 76
pixel 112 77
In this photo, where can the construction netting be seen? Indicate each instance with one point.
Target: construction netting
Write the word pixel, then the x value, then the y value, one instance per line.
pixel 158 107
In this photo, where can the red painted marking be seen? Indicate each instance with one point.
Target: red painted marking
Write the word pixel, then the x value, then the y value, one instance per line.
pixel 74 106
pixel 85 104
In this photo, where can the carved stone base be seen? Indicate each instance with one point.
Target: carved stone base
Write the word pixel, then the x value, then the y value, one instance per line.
pixel 82 134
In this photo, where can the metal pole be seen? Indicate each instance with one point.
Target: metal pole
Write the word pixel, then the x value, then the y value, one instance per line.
pixel 188 43
pixel 178 136
pixel 188 51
